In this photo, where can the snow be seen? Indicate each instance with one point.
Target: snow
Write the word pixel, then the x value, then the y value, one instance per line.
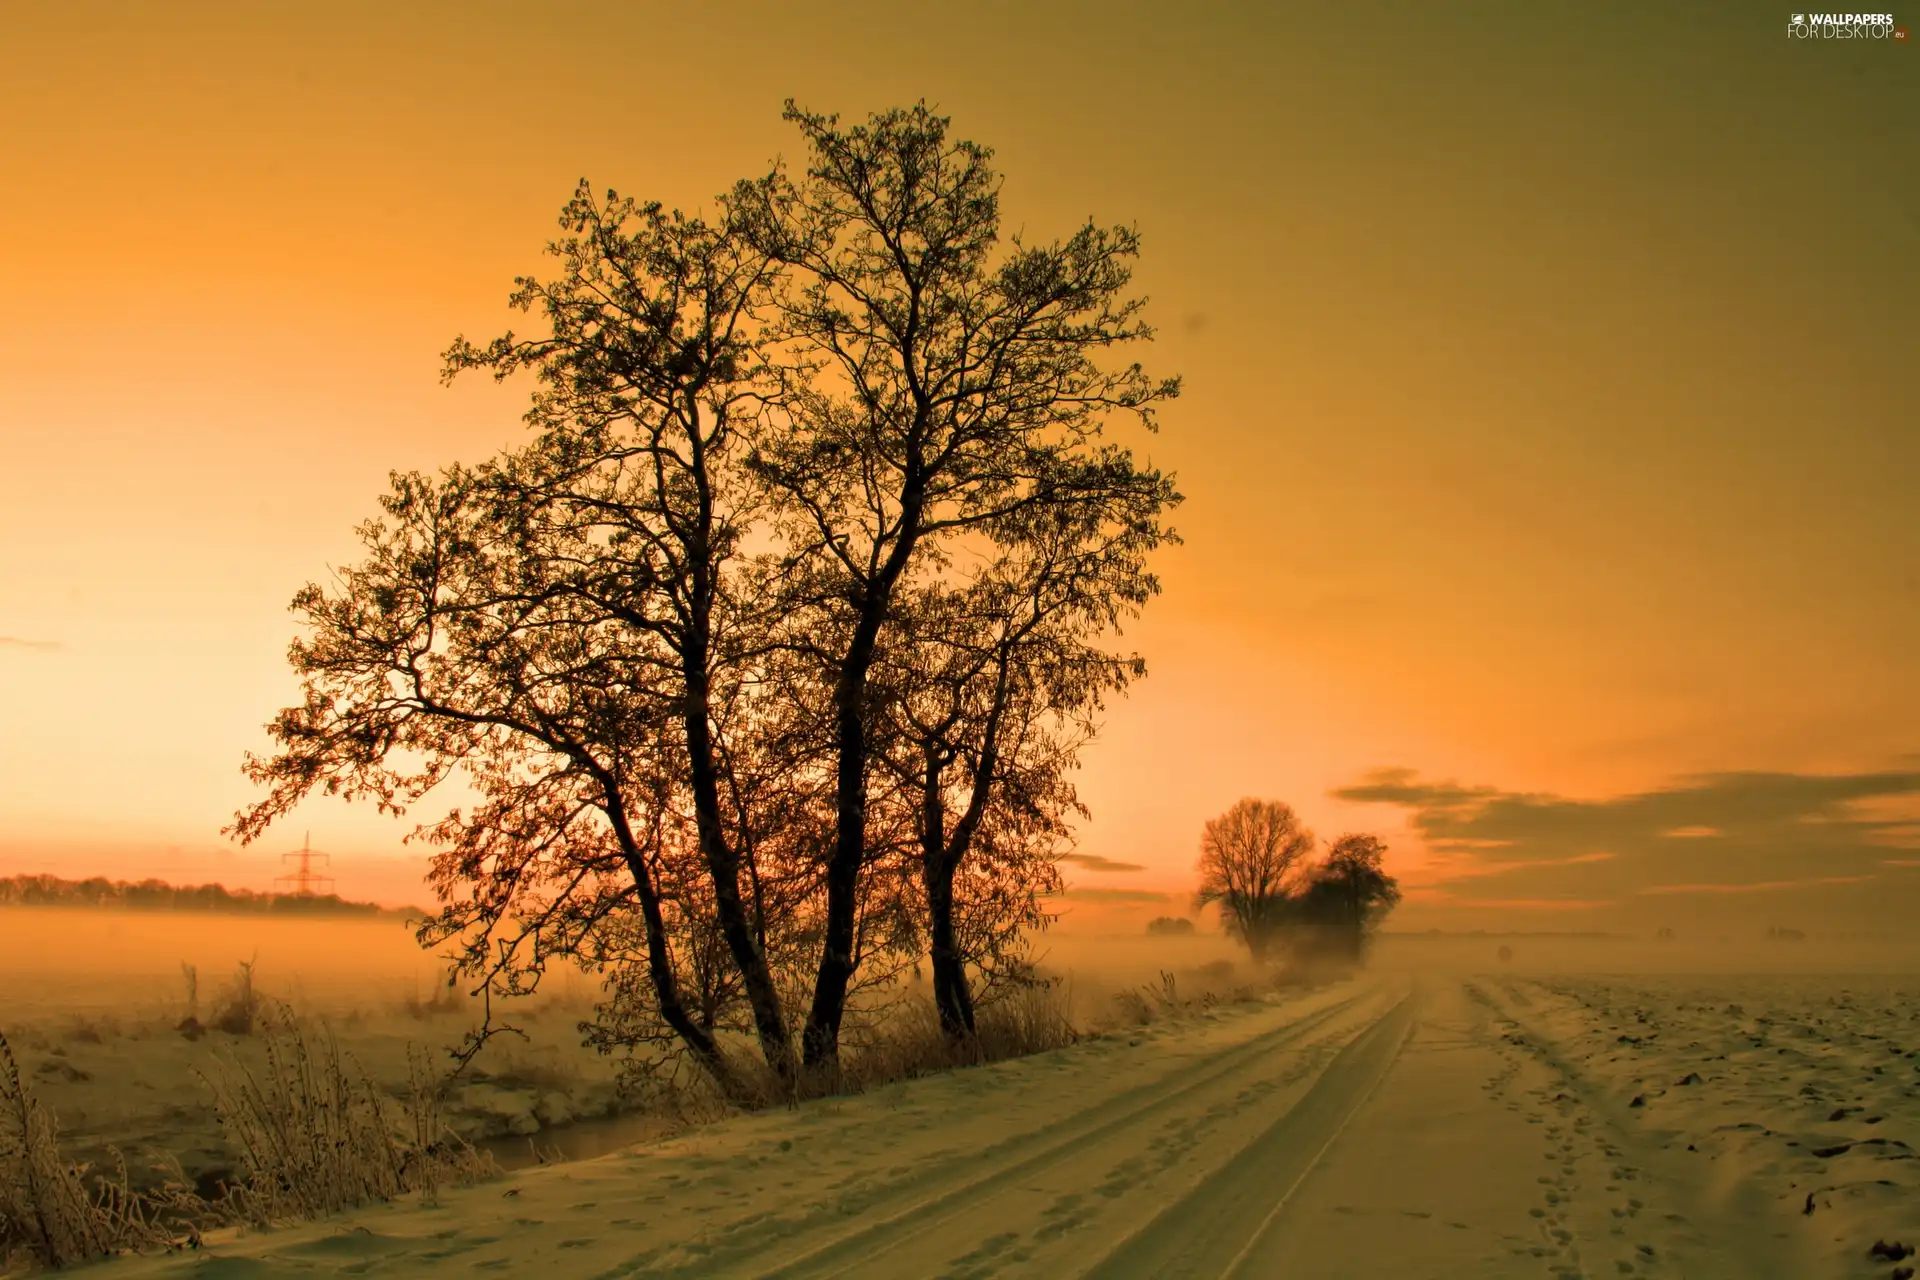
pixel 1433 1124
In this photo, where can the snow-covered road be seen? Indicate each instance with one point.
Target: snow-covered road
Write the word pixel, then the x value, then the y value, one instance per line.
pixel 1425 1125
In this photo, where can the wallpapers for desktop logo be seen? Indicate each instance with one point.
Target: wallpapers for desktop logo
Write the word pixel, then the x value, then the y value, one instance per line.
pixel 1844 26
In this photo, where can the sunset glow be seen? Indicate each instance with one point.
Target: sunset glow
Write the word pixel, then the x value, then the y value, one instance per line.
pixel 1550 436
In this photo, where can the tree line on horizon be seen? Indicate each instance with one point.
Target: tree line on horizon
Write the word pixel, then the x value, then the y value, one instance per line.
pixel 158 895
pixel 768 659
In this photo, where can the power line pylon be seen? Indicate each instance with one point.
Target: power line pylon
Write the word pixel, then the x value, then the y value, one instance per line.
pixel 304 880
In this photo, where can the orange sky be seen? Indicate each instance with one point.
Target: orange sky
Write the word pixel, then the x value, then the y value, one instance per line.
pixel 1551 425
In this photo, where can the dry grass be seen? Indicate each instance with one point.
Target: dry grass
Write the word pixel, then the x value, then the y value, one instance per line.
pixel 315 1135
pixel 446 998
pixel 900 1040
pixel 903 1040
pixel 1194 991
pixel 1148 1003
pixel 189 1026
pixel 312 1133
pixel 908 1041
pixel 111 1042
pixel 56 1213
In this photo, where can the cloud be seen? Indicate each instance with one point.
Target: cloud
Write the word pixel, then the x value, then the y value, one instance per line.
pixel 1765 886
pixel 1448 865
pixel 1116 895
pixel 1094 862
pixel 16 642
pixel 1722 833
pixel 1532 904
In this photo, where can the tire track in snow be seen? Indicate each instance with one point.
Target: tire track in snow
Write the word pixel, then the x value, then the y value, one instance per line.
pixel 1215 1230
pixel 1121 1123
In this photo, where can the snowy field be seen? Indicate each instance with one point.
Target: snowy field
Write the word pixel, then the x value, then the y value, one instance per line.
pixel 1432 1125
pixel 1581 1107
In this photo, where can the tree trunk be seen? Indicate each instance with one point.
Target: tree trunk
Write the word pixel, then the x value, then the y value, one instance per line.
pixel 1256 939
pixel 723 866
pixel 666 988
pixel 938 863
pixel 723 861
pixel 951 993
pixel 821 1040
pixel 941 855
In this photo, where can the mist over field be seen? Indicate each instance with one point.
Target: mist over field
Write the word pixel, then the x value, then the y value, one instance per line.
pixel 1782 1071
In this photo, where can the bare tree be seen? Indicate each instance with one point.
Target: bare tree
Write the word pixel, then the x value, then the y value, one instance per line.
pixel 682 643
pixel 563 623
pixel 1250 860
pixel 998 691
pixel 650 383
pixel 935 385
pixel 424 660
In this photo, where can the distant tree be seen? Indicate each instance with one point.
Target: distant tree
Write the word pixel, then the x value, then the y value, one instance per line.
pixel 1170 926
pixel 158 895
pixel 1250 859
pixel 1347 895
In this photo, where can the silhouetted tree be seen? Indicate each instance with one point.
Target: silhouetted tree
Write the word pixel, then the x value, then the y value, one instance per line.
pixel 992 691
pixel 650 386
pixel 1346 896
pixel 1170 926
pixel 560 624
pixel 936 387
pixel 1250 858
pixel 690 645
pixel 961 728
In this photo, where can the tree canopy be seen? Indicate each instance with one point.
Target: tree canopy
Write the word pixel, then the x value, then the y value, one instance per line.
pixel 1347 895
pixel 1250 857
pixel 1256 862
pixel 771 651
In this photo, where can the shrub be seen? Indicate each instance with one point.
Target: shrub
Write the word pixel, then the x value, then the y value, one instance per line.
pixel 239 1003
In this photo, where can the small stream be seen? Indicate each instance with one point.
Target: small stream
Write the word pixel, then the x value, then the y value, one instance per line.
pixel 580 1140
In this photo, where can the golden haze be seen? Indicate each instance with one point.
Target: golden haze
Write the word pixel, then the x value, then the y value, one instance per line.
pixel 1550 424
